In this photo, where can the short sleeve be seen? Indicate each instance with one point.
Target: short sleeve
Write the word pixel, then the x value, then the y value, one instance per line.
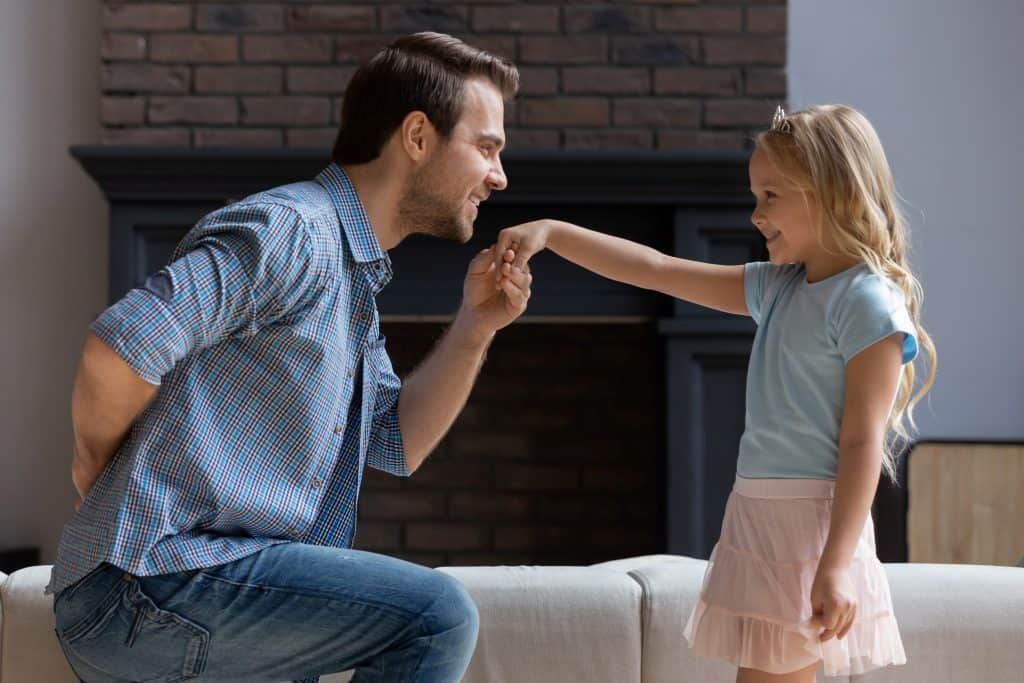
pixel 239 269
pixel 871 310
pixel 758 277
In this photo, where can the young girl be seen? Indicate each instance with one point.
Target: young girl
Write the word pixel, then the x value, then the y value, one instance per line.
pixel 794 580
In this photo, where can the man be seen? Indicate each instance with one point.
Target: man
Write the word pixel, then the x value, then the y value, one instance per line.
pixel 223 412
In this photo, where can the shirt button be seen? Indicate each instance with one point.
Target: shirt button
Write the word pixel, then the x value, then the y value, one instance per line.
pixel 351 372
pixel 338 429
pixel 316 483
pixel 363 317
pixel 293 533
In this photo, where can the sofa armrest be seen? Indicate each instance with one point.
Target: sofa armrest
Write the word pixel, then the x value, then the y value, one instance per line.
pixel 28 647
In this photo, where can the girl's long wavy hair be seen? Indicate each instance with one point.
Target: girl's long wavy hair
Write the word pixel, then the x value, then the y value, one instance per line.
pixel 833 154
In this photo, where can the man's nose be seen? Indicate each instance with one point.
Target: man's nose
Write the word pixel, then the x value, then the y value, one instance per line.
pixel 496 179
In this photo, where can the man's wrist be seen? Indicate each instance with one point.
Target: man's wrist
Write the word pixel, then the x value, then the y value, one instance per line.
pixel 467 333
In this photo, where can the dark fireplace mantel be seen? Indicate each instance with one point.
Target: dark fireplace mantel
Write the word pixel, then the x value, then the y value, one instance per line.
pixel 693 205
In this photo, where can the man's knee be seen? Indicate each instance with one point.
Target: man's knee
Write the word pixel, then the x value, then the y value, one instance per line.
pixel 453 612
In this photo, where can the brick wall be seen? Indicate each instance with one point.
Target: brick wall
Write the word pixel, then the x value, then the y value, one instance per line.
pixel 555 460
pixel 646 74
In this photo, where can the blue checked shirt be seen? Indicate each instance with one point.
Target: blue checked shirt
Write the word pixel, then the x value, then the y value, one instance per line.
pixel 274 390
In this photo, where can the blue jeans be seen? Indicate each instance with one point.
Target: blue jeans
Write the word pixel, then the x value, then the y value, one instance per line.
pixel 290 612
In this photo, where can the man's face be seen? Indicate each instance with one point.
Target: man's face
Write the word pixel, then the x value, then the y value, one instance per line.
pixel 445 192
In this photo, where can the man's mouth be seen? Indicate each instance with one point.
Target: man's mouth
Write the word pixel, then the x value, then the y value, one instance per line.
pixel 770 235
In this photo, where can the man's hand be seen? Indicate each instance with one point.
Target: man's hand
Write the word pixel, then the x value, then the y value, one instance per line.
pixel 493 296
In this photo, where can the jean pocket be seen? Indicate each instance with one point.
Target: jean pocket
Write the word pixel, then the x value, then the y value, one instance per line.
pixel 131 637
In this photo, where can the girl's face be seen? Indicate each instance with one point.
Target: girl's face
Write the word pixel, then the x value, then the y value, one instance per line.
pixel 784 214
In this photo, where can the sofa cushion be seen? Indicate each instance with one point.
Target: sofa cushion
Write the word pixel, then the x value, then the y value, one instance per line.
pixel 670 585
pixel 553 624
pixel 29 650
pixel 958 623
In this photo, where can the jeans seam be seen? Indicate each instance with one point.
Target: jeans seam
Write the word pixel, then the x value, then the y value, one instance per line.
pixel 322 596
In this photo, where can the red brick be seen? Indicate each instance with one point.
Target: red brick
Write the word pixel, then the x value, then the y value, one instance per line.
pixel 249 80
pixel 329 18
pixel 411 18
pixel 500 45
pixel 699 19
pixel 739 112
pixel 654 50
pixel 607 19
pixel 578 508
pixel 144 78
pixel 696 81
pixel 701 139
pixel 563 50
pixel 311 138
pixel 475 444
pixel 537 477
pixel 360 48
pixel 605 80
pixel 617 138
pixel 156 137
pixel 194 109
pixel 490 506
pixel 319 79
pixel 521 537
pixel 520 139
pixel 765 82
pixel 403 504
pixel 517 19
pixel 146 17
pixel 123 47
pixel 454 474
pixel 611 479
pixel 240 18
pixel 538 80
pixel 188 47
pixel 297 48
pixel 565 111
pixel 378 536
pixel 237 137
pixel 119 111
pixel 449 536
pixel 745 50
pixel 766 19
pixel 285 111
pixel 656 111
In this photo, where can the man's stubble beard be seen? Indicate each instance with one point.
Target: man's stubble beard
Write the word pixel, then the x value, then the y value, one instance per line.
pixel 424 211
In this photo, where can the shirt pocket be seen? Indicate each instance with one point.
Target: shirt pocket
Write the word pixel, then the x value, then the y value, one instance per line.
pixel 132 638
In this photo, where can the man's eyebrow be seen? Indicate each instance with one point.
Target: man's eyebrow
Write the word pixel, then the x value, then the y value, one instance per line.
pixel 496 139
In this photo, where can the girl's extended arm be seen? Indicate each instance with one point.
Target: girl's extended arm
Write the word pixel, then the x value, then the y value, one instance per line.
pixel 706 284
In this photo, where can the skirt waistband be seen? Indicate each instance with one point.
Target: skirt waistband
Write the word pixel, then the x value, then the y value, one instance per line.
pixel 784 488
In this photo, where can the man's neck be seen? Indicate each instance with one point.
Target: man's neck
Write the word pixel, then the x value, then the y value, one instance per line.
pixel 379 188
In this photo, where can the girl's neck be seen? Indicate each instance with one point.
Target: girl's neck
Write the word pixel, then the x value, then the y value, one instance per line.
pixel 825 265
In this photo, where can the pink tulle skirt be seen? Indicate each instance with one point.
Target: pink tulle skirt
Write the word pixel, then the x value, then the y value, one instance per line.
pixel 755 604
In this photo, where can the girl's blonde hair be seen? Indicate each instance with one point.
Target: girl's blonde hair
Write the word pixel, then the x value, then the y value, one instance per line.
pixel 833 154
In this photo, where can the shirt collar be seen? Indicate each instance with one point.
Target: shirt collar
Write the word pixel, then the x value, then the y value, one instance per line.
pixel 362 241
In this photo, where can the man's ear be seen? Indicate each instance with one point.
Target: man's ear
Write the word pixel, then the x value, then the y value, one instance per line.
pixel 417 135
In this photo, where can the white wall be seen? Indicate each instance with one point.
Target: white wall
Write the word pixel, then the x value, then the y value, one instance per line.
pixel 52 253
pixel 941 82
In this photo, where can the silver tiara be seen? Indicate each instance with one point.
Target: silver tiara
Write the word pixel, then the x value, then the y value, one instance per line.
pixel 780 124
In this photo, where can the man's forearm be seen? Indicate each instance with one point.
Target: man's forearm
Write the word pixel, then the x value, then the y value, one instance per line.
pixel 106 398
pixel 433 396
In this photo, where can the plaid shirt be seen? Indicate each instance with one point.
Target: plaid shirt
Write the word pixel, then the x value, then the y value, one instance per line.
pixel 274 390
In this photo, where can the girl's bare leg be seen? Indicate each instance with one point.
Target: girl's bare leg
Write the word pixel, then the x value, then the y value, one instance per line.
pixel 755 676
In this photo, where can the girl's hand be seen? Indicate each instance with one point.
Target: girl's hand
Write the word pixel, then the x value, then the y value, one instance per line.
pixel 833 601
pixel 517 244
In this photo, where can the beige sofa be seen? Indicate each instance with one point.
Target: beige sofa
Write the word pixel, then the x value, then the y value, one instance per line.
pixel 622 621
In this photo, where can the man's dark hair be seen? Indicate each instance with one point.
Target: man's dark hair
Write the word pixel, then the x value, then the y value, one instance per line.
pixel 422 72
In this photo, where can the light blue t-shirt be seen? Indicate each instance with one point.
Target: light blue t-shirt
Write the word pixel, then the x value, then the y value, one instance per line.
pixel 806 334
